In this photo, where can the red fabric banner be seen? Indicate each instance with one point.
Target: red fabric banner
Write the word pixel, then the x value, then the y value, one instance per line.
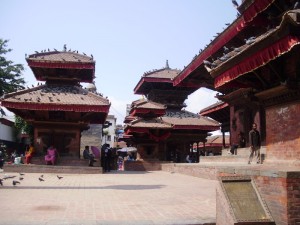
pixel 257 60
pixel 56 107
pixel 158 112
pixel 62 65
pixel 257 7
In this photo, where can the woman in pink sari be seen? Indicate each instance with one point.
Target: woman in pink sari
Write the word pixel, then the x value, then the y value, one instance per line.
pixel 51 155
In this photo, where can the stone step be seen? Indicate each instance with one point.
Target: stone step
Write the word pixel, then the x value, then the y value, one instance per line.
pixel 34 168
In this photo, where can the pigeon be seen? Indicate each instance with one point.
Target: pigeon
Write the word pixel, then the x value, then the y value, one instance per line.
pixel 235 3
pixel 297 5
pixel 21 174
pixel 59 177
pixel 15 182
pixel 42 175
pixel 226 50
pixel 250 40
pixel 1 182
pixel 21 178
pixel 41 179
pixel 8 177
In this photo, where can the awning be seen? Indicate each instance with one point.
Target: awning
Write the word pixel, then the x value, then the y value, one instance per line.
pixel 258 59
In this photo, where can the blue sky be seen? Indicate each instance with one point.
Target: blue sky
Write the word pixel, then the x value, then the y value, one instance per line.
pixel 126 38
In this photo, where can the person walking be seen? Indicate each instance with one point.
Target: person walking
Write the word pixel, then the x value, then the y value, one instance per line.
pixel 254 143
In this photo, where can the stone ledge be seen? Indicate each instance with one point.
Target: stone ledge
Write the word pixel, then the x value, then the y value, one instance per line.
pixel 32 168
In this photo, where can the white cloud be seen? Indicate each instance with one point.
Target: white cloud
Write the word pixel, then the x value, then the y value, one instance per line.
pixel 200 99
pixel 118 109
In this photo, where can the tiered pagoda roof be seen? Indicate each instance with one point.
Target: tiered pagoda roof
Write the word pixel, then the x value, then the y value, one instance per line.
pixel 172 120
pixel 63 71
pixel 157 86
pixel 62 65
pixel 146 108
pixel 56 98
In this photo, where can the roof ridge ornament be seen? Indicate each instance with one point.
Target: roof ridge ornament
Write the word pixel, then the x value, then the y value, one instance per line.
pixel 167 65
pixel 65 47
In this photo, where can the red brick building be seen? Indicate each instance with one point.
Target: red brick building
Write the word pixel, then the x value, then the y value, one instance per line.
pixel 254 65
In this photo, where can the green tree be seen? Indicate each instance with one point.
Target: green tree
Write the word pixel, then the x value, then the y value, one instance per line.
pixel 21 126
pixel 10 73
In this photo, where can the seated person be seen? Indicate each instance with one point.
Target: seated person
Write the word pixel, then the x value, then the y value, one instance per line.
pixel 188 159
pixel 87 155
pixel 51 155
pixel 130 158
pixel 29 154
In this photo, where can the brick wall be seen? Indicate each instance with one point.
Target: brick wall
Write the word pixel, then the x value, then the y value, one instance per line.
pixel 283 132
pixel 283 198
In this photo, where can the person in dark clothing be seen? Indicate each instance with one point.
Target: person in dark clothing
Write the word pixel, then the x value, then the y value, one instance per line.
pixel 254 142
pixel 106 157
pixel 89 156
pixel 242 140
pixel 2 156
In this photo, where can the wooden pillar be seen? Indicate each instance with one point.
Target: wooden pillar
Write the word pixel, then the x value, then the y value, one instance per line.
pixel 197 156
pixel 223 141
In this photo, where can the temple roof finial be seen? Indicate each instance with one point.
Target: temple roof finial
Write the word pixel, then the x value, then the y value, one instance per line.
pixel 167 65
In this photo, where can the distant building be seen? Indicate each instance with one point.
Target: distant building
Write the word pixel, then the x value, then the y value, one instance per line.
pixel 109 134
pixel 7 131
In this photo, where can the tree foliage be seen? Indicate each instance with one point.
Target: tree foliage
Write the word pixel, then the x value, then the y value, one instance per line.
pixel 10 73
pixel 21 126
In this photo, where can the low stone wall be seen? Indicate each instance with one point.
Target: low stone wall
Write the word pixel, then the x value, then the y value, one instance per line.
pixel 191 169
pixel 142 165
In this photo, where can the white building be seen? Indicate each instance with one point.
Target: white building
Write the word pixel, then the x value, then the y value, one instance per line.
pixel 109 134
pixel 6 130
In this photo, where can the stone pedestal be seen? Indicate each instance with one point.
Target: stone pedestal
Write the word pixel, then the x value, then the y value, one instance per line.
pixel 239 202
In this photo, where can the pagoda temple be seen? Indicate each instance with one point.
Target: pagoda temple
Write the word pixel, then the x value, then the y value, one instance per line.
pixel 159 126
pixel 254 65
pixel 60 109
